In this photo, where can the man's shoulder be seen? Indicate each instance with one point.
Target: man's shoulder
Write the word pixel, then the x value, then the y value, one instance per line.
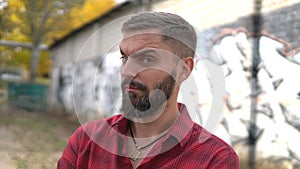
pixel 205 140
pixel 102 123
pixel 209 151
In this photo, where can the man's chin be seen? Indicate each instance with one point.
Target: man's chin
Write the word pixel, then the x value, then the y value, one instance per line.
pixel 147 119
pixel 144 116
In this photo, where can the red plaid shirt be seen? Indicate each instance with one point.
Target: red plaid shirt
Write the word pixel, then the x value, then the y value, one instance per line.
pixel 102 144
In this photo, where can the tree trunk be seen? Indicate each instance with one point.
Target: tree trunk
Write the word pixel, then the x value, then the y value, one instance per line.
pixel 35 55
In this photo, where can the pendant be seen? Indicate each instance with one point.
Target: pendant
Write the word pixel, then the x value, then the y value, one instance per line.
pixel 134 154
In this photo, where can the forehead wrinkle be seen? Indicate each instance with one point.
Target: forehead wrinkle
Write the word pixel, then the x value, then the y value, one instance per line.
pixel 144 51
pixel 127 50
pixel 140 41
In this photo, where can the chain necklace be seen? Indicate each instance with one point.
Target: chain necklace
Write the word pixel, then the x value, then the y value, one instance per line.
pixel 136 153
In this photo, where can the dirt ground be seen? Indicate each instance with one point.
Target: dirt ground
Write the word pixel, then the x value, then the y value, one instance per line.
pixel 32 140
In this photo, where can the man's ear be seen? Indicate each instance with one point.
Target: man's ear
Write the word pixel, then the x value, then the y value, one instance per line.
pixel 187 65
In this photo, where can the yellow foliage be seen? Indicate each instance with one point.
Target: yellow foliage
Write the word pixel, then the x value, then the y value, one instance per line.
pixel 17 4
pixel 57 26
pixel 89 11
pixel 14 18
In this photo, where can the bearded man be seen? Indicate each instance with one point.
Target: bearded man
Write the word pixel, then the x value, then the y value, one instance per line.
pixel 152 129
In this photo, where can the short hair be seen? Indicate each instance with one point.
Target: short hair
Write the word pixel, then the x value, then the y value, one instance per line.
pixel 176 31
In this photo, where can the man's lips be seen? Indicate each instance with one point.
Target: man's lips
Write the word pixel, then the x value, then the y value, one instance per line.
pixel 131 88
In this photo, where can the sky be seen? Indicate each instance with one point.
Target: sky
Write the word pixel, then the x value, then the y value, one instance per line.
pixel 120 1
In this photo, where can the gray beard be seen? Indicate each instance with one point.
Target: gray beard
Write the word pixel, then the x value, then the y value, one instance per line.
pixel 147 105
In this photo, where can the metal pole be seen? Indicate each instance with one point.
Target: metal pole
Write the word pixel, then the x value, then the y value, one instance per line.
pixel 253 131
pixel 22 44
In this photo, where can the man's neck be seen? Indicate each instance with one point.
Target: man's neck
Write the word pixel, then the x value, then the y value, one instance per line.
pixel 158 125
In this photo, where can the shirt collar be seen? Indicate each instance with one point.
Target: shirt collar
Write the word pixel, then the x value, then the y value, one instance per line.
pixel 182 126
pixel 179 130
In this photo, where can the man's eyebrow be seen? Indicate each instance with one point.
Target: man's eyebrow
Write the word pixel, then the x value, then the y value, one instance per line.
pixel 144 51
pixel 122 53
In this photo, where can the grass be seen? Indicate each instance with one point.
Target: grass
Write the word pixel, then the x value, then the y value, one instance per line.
pixel 40 138
pixel 19 163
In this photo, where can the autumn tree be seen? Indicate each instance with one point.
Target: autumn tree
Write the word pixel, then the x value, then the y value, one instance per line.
pixel 33 20
pixel 43 21
pixel 40 17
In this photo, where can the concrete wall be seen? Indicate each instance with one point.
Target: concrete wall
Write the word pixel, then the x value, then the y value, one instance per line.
pixel 281 17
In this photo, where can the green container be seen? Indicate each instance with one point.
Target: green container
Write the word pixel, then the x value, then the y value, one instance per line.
pixel 29 96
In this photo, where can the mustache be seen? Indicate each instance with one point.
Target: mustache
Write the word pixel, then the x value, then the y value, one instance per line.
pixel 129 82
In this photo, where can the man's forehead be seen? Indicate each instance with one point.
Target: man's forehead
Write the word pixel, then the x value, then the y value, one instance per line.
pixel 134 43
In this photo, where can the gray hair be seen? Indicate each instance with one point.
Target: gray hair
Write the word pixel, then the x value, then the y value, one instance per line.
pixel 177 32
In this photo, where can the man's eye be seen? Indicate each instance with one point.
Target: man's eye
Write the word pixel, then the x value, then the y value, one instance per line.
pixel 124 58
pixel 148 60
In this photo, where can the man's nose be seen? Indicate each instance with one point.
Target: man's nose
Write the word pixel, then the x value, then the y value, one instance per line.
pixel 129 68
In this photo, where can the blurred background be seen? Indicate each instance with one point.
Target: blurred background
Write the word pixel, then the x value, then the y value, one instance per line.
pixel 59 66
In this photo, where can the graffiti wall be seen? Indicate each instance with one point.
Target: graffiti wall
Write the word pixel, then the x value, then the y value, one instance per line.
pixel 277 91
pixel 90 87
